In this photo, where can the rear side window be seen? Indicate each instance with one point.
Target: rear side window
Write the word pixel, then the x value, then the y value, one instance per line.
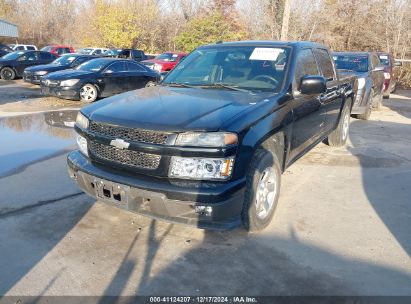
pixel 79 61
pixel 67 50
pixel 46 56
pixel 306 65
pixel 20 48
pixel 98 51
pixel 31 56
pixel 31 48
pixel 134 67
pixel 60 51
pixel 137 54
pixel 117 67
pixel 325 64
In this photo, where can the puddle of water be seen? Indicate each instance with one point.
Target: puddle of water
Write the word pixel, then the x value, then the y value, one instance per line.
pixel 30 138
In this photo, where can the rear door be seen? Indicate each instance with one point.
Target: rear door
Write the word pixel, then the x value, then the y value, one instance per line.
pixel 137 76
pixel 308 111
pixel 115 78
pixel 332 99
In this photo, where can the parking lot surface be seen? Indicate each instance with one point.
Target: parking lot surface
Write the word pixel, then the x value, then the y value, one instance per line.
pixel 342 226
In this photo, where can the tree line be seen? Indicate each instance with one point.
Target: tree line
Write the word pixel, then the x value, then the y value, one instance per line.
pixel 161 25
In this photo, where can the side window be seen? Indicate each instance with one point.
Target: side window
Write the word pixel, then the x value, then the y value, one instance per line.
pixel 60 51
pixel 137 54
pixel 306 65
pixel 97 52
pixel 117 67
pixel 31 48
pixel 375 61
pixel 45 56
pixel 134 67
pixel 79 61
pixel 20 48
pixel 325 64
pixel 67 50
pixel 32 56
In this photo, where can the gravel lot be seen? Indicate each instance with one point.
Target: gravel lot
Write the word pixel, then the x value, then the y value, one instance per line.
pixel 342 227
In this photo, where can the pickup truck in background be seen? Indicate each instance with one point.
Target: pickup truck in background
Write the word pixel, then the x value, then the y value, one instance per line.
pixel 207 146
pixel 370 74
pixel 391 71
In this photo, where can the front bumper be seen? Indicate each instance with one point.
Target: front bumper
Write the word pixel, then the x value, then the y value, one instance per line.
pixel 173 201
pixel 33 79
pixel 61 92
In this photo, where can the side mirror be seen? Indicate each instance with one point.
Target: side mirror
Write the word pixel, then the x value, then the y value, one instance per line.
pixel 312 84
pixel 378 68
pixel 397 63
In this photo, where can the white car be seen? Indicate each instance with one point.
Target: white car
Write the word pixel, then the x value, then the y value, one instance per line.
pixel 24 47
pixel 93 51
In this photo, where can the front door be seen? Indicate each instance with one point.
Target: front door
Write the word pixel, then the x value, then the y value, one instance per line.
pixel 308 111
pixel 27 60
pixel 115 78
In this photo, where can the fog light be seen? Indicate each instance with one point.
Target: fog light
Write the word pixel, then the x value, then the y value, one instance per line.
pixel 204 210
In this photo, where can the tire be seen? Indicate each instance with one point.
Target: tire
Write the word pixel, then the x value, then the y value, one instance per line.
pixel 150 84
pixel 339 136
pixel 7 74
pixel 386 96
pixel 366 115
pixel 259 206
pixel 88 93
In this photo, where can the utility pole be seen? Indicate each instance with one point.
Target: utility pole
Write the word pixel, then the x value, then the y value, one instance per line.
pixel 286 20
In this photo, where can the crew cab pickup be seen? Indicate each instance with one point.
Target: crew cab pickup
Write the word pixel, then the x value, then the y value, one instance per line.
pixel 208 145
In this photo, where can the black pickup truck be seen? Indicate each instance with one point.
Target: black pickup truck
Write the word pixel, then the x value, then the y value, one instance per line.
pixel 208 145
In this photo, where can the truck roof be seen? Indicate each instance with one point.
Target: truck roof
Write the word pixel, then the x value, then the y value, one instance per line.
pixel 269 43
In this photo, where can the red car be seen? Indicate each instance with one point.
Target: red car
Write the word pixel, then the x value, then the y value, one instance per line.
pixel 58 49
pixel 164 62
pixel 390 72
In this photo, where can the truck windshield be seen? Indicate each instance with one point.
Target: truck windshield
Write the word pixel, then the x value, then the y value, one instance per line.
pixel 260 69
pixel 94 65
pixel 357 63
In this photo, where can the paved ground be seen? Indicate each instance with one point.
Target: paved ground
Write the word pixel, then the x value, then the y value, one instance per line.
pixel 342 227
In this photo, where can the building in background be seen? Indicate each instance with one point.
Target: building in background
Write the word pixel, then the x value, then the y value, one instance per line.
pixel 8 30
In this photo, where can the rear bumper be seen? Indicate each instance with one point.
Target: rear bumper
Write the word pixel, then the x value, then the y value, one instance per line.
pixel 61 92
pixel 164 199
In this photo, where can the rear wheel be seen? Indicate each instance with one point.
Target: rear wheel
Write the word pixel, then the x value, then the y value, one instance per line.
pixel 366 115
pixel 339 136
pixel 262 192
pixel 378 101
pixel 7 74
pixel 88 93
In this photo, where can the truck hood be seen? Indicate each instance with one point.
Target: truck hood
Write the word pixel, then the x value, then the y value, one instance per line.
pixel 68 74
pixel 173 109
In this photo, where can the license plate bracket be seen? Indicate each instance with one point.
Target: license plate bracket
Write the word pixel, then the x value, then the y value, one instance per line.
pixel 110 191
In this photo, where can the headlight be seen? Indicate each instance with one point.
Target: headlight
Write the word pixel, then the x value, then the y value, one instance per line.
pixel 157 67
pixel 210 139
pixel 361 83
pixel 69 83
pixel 201 168
pixel 82 121
pixel 40 73
pixel 387 75
pixel 82 144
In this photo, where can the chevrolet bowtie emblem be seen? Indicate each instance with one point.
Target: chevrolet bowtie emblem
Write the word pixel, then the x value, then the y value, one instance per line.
pixel 119 143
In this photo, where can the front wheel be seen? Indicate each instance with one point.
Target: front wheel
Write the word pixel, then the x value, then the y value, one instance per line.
pixel 88 93
pixel 339 136
pixel 378 102
pixel 262 192
pixel 7 74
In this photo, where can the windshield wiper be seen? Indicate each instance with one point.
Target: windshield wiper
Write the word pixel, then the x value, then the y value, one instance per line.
pixel 178 85
pixel 225 86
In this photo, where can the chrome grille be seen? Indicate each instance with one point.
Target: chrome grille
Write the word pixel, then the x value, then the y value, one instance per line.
pixel 124 157
pixel 150 137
